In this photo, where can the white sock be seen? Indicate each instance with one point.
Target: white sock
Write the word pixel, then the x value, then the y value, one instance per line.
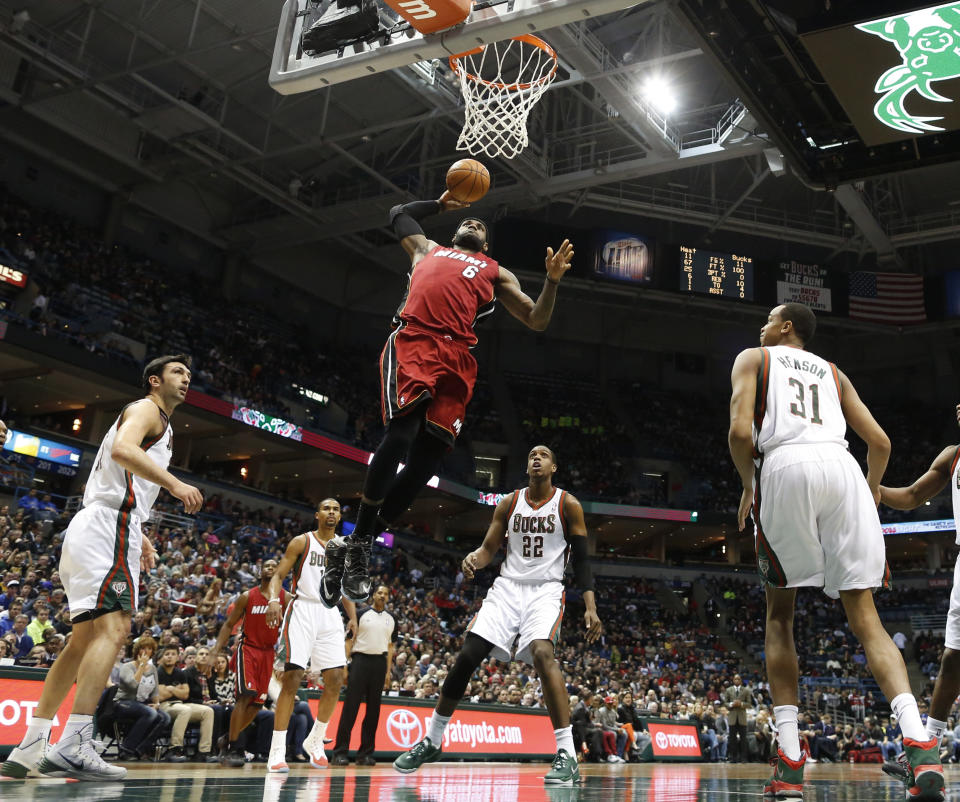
pixel 564 738
pixel 81 726
pixel 39 728
pixel 437 726
pixel 785 718
pixel 278 744
pixel 319 731
pixel 905 708
pixel 935 728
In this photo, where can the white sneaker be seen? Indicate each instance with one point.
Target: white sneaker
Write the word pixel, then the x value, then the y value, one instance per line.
pixel 81 762
pixel 277 763
pixel 318 757
pixel 23 760
pixel 612 758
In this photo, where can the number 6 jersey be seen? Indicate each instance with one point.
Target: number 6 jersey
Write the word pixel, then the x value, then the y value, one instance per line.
pixel 798 400
pixel 536 539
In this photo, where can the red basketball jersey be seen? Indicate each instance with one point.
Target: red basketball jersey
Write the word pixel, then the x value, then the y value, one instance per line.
pixel 448 292
pixel 256 633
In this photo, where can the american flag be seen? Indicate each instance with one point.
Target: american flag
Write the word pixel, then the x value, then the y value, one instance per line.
pixel 895 298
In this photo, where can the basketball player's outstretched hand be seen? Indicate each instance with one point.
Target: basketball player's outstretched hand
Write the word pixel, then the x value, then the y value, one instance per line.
pixel 148 556
pixel 448 202
pixel 191 497
pixel 469 565
pixel 559 263
pixel 592 622
pixel 746 502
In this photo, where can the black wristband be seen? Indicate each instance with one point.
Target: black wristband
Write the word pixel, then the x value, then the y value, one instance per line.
pixel 552 281
pixel 582 573
pixel 416 209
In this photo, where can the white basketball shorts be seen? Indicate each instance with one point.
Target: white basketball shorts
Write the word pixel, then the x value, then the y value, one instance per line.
pixel 312 633
pixel 100 561
pixel 532 611
pixel 815 522
pixel 952 639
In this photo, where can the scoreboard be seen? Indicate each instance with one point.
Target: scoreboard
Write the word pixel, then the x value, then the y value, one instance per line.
pixel 728 275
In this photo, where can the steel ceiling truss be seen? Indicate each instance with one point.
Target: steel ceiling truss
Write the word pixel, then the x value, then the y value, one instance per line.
pixel 605 136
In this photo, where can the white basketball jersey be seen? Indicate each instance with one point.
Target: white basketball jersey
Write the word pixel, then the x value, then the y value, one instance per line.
pixel 308 571
pixel 114 486
pixel 536 539
pixel 955 490
pixel 798 400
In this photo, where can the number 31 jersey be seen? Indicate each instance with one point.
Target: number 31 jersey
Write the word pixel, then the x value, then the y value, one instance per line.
pixel 536 539
pixel 798 400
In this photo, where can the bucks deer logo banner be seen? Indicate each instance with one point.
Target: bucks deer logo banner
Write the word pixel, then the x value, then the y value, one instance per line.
pixel 929 44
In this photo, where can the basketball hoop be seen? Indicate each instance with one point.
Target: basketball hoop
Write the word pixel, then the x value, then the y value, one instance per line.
pixel 500 83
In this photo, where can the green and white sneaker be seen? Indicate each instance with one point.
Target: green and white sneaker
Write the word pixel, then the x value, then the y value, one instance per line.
pixel 24 760
pixel 924 777
pixel 565 770
pixel 422 752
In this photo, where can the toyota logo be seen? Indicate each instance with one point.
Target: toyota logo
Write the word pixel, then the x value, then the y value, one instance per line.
pixel 662 741
pixel 404 728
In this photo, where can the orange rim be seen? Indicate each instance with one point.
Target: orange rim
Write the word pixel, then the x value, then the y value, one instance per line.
pixel 527 38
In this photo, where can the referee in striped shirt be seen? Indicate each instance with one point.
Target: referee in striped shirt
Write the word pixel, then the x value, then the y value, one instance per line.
pixel 371 654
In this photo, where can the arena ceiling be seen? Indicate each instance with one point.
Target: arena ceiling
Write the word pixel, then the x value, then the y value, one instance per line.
pixel 166 103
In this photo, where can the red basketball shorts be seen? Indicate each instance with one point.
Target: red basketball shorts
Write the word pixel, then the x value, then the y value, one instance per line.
pixel 253 668
pixel 416 365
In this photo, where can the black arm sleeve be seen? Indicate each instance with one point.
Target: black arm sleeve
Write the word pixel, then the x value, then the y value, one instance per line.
pixel 405 217
pixel 582 573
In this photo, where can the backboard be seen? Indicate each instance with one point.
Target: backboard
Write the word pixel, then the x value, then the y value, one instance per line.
pixel 397 44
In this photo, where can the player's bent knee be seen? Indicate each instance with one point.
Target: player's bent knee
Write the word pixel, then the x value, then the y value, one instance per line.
pixel 292 677
pixel 543 656
pixel 333 678
pixel 468 660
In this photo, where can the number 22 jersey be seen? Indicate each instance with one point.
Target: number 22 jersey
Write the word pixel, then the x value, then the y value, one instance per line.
pixel 798 401
pixel 537 548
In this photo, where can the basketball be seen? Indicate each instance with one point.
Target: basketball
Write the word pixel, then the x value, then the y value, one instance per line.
pixel 468 180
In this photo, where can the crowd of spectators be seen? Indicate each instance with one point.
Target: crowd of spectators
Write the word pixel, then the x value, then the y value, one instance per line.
pixel 654 659
pixel 99 296
pixel 109 298
pixel 595 451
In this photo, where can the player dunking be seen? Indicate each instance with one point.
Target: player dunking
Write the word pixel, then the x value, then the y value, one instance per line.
pixel 253 659
pixel 103 552
pixel 944 470
pixel 816 525
pixel 310 631
pixel 542 524
pixel 427 372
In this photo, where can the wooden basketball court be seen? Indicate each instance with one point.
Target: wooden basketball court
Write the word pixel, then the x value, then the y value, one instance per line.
pixel 462 782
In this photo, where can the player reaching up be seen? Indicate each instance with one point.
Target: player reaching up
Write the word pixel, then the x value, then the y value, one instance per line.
pixel 944 470
pixel 253 659
pixel 311 631
pixel 542 525
pixel 816 525
pixel 103 552
pixel 427 372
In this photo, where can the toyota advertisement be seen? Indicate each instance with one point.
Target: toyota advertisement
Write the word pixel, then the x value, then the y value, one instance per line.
pixel 673 740
pixel 18 700
pixel 474 732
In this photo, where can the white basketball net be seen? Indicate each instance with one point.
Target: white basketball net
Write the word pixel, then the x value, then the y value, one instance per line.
pixel 500 83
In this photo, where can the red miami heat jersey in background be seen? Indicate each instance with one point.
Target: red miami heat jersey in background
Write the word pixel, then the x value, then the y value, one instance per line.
pixel 448 292
pixel 256 633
